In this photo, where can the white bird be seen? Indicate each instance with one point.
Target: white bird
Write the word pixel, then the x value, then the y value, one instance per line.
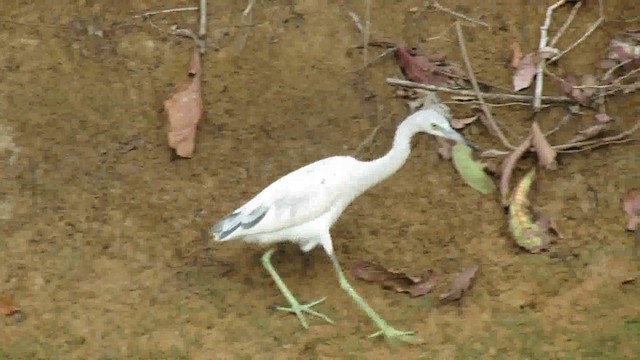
pixel 302 206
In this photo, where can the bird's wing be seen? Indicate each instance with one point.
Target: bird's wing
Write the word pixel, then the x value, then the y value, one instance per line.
pixel 294 199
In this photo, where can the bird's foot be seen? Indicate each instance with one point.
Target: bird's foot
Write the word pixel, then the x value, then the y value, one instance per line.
pixel 299 310
pixel 392 334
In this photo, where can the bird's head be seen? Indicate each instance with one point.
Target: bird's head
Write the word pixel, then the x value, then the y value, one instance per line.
pixel 431 122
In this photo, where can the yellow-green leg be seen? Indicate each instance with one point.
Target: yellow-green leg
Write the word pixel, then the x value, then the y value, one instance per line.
pixel 296 307
pixel 386 330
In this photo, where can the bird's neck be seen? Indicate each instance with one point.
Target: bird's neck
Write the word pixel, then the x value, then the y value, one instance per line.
pixel 380 169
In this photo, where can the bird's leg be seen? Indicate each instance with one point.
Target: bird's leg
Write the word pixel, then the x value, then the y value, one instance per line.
pixel 296 307
pixel 386 330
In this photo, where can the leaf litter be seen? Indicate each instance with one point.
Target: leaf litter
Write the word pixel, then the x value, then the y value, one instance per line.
pixel 427 69
pixel 396 280
pixel 184 109
pixel 525 72
pixel 546 154
pixel 8 306
pixel 402 282
pixel 461 284
pixel 631 204
pixel 531 230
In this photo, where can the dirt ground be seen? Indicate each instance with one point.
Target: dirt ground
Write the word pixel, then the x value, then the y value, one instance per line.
pixel 103 240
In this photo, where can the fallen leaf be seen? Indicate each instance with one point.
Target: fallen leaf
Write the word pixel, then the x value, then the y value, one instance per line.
pixel 525 73
pixel 603 118
pixel 461 283
pixel 590 132
pixel 517 54
pixel 445 148
pixel 631 203
pixel 532 231
pixel 424 69
pixel 507 167
pixel 7 305
pixel 184 109
pixel 568 82
pixel 461 123
pixel 471 171
pixel 396 280
pixel 546 154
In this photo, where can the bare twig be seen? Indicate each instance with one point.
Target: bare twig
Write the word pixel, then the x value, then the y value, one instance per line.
pixel 561 123
pixel 437 5
pixel 463 92
pixel 591 29
pixel 566 24
pixel 202 33
pixel 366 142
pixel 599 142
pixel 578 146
pixel 542 45
pixel 247 10
pixel 247 19
pixel 367 32
pixel 356 21
pixel 488 119
pixel 151 13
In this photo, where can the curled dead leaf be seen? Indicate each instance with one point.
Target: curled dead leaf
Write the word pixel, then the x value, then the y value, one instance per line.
pixel 444 150
pixel 516 54
pixel 8 306
pixel 532 231
pixel 507 167
pixel 524 73
pixel 631 203
pixel 184 109
pixel 461 283
pixel 396 280
pixel 461 123
pixel 425 69
pixel 546 154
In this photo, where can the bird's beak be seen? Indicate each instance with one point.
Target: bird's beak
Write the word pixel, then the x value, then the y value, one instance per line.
pixel 456 136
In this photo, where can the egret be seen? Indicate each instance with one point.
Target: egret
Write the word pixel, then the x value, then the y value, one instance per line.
pixel 302 206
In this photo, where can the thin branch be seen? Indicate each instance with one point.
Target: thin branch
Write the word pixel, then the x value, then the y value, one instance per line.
pixel 151 13
pixel 591 29
pixel 490 121
pixel 248 8
pixel 463 92
pixel 367 32
pixel 566 24
pixel 437 5
pixel 202 33
pixel 542 45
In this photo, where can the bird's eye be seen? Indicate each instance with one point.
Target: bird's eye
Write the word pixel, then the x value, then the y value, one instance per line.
pixel 434 126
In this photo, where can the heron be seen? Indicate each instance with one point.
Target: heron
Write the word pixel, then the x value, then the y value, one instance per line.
pixel 302 206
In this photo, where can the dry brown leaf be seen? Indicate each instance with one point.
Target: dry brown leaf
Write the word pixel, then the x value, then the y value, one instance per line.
pixel 590 132
pixel 445 148
pixel 425 69
pixel 546 154
pixel 603 118
pixel 7 305
pixel 507 167
pixel 525 72
pixel 184 109
pixel 461 283
pixel 396 280
pixel 517 54
pixel 461 123
pixel 631 203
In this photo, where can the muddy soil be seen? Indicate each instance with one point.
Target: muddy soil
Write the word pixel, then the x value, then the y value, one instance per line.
pixel 104 234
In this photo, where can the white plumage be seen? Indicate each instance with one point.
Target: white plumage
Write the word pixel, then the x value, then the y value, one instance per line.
pixel 303 205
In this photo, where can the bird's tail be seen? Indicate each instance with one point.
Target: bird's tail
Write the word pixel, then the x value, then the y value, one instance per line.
pixel 240 218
